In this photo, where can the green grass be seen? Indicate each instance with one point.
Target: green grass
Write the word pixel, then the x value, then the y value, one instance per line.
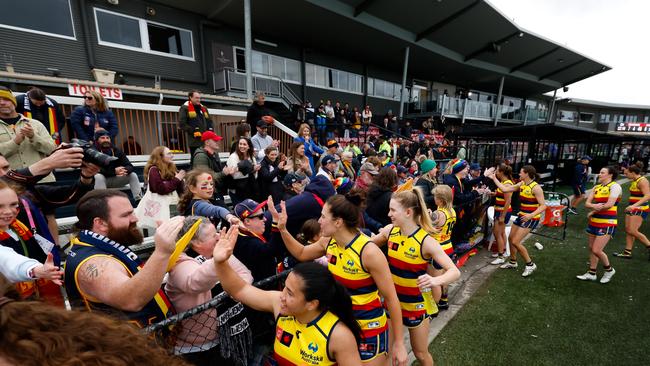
pixel 551 318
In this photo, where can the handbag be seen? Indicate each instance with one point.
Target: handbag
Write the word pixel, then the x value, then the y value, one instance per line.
pixel 154 207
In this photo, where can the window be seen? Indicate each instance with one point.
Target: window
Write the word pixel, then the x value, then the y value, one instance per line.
pixel 567 116
pixel 325 77
pixel 284 68
pixel 49 17
pixel 123 31
pixel 586 117
pixel 631 118
pixel 384 89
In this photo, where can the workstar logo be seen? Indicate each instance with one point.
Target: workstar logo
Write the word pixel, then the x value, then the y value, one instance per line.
pixel 310 358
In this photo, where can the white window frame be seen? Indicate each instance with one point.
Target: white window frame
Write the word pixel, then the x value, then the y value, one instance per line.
pixel 234 52
pixel 329 87
pixel 74 31
pixel 144 36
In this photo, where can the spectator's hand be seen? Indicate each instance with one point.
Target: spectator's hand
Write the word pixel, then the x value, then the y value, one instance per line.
pixel 180 174
pixel 65 158
pixel 229 170
pixel 166 234
pixel 283 165
pixel 226 244
pixel 489 171
pixel 20 137
pixel 276 143
pixel 426 281
pixel 48 271
pixel 282 216
pixel 233 220
pixel 27 130
pixel 120 171
pixel 257 167
pixel 89 169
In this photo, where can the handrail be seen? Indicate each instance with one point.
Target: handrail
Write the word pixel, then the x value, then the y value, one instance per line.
pixel 223 81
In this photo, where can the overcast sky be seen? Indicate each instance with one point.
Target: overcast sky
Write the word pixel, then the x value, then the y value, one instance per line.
pixel 615 33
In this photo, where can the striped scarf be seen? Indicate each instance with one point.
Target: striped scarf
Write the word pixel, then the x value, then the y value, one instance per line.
pixel 191 111
pixel 51 117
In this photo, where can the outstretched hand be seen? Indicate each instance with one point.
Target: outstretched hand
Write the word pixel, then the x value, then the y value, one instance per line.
pixel 48 271
pixel 226 244
pixel 166 234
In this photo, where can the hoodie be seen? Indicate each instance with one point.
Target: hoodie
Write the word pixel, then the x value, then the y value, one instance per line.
pixel 305 206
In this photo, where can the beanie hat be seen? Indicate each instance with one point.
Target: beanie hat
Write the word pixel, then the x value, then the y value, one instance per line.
pixel 101 132
pixel 458 165
pixel 7 94
pixel 342 185
pixel 427 166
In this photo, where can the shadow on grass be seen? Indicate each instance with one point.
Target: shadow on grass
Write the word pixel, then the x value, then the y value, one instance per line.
pixel 551 318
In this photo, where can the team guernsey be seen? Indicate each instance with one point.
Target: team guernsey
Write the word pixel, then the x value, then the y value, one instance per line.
pixel 635 196
pixel 406 265
pixel 444 236
pixel 528 201
pixel 346 266
pixel 603 222
pixel 304 344
pixel 500 199
pixel 154 311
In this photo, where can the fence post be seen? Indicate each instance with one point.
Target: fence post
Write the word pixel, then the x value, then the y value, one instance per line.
pixel 159 121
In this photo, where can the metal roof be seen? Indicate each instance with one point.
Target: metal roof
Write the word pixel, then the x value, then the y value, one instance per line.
pixel 468 43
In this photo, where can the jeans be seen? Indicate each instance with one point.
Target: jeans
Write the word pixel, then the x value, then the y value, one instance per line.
pixel 102 182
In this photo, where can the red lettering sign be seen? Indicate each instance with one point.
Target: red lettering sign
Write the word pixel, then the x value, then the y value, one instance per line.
pixel 78 90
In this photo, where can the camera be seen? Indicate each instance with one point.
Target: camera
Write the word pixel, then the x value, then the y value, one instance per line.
pixel 90 154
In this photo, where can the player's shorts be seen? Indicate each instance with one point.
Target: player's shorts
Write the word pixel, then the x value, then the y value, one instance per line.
pixel 601 231
pixel 371 347
pixel 643 214
pixel 497 214
pixel 530 224
pixel 416 321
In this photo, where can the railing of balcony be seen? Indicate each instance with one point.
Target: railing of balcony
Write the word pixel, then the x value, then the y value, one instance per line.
pixel 229 80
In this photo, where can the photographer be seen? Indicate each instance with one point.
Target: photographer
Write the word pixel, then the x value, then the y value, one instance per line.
pixel 44 199
pixel 120 171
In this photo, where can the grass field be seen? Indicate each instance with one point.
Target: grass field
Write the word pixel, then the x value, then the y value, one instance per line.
pixel 551 318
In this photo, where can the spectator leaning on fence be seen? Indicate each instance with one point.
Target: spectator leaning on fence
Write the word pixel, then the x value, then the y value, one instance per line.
pixel 92 116
pixel 103 275
pixel 23 141
pixel 189 285
pixel 193 119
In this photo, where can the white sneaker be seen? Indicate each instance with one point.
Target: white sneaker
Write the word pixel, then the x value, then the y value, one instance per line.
pixel 607 276
pixel 587 277
pixel 508 265
pixel 528 270
pixel 499 260
pixel 494 255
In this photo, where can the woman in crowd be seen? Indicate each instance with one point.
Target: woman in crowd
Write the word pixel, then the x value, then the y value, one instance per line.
pixel 603 202
pixel 243 130
pixel 271 174
pixel 92 116
pixel 502 211
pixel 189 285
pixel 637 209
pixel 315 324
pixel 428 180
pixel 379 195
pixel 21 252
pixel 298 162
pixel 162 177
pixel 197 198
pixel 532 205
pixel 410 249
pixel 311 148
pixel 362 268
pixel 443 220
pixel 347 165
pixel 245 178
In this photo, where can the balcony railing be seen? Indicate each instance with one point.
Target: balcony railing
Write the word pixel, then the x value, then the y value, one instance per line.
pixel 229 80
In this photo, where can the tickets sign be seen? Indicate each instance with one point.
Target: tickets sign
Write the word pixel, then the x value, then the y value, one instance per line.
pixel 78 90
